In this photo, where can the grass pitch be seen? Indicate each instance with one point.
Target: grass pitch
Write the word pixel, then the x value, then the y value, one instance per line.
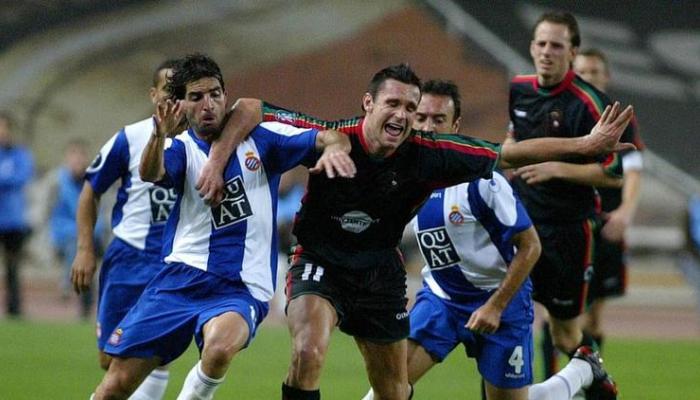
pixel 59 361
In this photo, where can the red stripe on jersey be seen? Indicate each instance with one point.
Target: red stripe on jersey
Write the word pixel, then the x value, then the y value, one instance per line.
pixel 459 147
pixel 531 79
pixel 587 261
pixel 588 101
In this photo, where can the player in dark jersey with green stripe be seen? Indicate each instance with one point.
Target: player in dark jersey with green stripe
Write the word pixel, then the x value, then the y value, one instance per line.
pixel 347 270
pixel 617 205
pixel 557 103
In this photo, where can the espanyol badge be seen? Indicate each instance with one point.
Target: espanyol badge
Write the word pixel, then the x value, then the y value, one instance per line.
pixel 455 216
pixel 251 161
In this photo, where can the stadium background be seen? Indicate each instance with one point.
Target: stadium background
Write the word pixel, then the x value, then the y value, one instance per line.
pixel 82 68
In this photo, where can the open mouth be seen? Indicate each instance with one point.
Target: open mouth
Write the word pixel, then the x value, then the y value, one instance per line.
pixel 393 129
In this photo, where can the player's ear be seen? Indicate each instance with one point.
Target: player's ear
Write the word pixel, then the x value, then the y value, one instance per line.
pixel 455 125
pixel 367 102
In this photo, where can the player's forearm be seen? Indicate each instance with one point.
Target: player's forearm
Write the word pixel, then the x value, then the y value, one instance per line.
pixel 528 245
pixel 332 140
pixel 632 182
pixel 86 218
pixel 151 168
pixel 532 151
pixel 243 117
pixel 587 174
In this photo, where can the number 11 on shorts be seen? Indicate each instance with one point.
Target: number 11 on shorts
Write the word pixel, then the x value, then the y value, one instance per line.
pixel 312 271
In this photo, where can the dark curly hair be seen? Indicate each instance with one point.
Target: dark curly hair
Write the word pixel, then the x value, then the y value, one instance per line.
pixel 189 69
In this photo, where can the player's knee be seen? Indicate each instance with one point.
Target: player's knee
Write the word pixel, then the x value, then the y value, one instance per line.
pixel 116 386
pixel 309 355
pixel 219 354
pixel 104 361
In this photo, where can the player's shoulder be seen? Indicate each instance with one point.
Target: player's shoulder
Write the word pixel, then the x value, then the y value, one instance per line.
pixel 588 95
pixel 523 82
pixel 139 128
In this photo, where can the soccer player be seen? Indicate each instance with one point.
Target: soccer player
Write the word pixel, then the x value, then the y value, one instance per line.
pixel 557 103
pixel 138 219
pixel 347 270
pixel 16 171
pixel 476 289
pixel 618 207
pixel 220 262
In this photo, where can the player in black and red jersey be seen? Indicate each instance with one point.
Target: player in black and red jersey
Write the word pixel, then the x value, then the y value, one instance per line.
pixel 618 208
pixel 347 270
pixel 557 103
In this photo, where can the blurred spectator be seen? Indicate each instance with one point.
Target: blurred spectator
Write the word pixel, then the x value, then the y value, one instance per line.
pixel 65 183
pixel 16 171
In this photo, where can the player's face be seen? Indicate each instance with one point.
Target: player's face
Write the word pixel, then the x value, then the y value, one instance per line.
pixel 389 116
pixel 593 70
pixel 158 93
pixel 205 106
pixel 552 52
pixel 436 113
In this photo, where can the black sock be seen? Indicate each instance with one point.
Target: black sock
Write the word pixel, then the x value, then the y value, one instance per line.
pixel 599 340
pixel 483 389
pixel 550 354
pixel 291 393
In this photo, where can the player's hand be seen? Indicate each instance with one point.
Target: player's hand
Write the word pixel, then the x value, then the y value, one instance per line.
pixel 615 226
pixel 335 160
pixel 83 270
pixel 168 117
pixel 210 183
pixel 605 135
pixel 485 320
pixel 538 173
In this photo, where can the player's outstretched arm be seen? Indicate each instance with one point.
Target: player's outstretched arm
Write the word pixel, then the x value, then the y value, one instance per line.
pixel 85 262
pixel 335 158
pixel 167 118
pixel 583 174
pixel 603 138
pixel 240 121
pixel 487 318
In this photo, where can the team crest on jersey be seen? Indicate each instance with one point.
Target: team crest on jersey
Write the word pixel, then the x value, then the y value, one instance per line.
pixel 437 248
pixel 116 337
pixel 251 161
pixel 96 163
pixel 234 208
pixel 455 216
pixel 162 203
pixel 555 119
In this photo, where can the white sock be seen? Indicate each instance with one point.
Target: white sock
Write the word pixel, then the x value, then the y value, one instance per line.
pixel 153 387
pixel 92 396
pixel 577 374
pixel 369 395
pixel 198 386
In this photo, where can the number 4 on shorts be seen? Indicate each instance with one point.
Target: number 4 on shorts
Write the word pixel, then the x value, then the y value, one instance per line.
pixel 516 359
pixel 313 271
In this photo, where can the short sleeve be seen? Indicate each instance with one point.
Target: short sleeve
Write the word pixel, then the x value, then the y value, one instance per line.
pixel 175 164
pixel 447 159
pixel 110 164
pixel 286 145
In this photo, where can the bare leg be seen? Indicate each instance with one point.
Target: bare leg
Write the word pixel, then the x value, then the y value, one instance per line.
pixel 124 376
pixel 311 322
pixel 386 368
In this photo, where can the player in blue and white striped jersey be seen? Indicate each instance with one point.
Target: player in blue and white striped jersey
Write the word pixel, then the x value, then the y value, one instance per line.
pixel 138 220
pixel 220 261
